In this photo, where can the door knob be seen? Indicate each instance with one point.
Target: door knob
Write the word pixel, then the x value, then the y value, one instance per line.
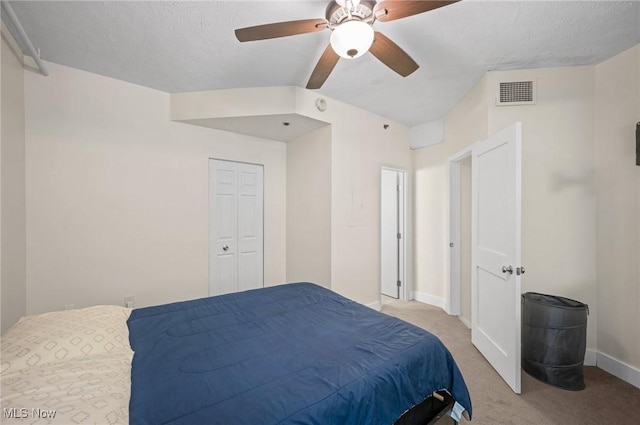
pixel 507 269
pixel 226 247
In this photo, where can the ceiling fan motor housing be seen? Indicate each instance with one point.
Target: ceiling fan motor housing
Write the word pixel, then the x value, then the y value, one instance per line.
pixel 336 14
pixel 350 23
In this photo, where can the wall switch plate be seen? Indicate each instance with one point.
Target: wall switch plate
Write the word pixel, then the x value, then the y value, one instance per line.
pixel 129 301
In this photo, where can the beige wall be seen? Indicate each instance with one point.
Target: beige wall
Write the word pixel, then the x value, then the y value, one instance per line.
pixel 558 193
pixel 309 208
pixel 2 48
pixel 581 236
pixel 463 125
pixel 117 194
pixel 359 147
pixel 12 189
pixel 465 240
pixel 558 222
pixel 358 151
pixel 617 109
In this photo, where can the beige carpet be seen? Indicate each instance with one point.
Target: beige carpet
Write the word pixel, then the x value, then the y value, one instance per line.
pixel 607 400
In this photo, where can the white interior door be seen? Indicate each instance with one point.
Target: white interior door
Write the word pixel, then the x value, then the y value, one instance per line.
pixel 495 291
pixel 391 229
pixel 235 226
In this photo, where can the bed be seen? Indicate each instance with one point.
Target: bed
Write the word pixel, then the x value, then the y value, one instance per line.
pixel 67 367
pixel 290 354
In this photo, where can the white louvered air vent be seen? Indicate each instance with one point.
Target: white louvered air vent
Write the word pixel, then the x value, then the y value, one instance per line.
pixel 516 93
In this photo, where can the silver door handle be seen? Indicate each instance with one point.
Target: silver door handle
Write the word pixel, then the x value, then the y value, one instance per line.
pixel 507 269
pixel 225 248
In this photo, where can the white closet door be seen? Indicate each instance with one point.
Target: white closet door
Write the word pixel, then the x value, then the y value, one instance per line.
pixel 235 227
pixel 250 218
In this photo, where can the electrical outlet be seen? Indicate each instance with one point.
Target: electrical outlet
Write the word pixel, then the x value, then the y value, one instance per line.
pixel 129 301
pixel 69 306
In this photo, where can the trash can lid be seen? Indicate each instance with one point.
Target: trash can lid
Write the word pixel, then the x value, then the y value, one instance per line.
pixel 554 300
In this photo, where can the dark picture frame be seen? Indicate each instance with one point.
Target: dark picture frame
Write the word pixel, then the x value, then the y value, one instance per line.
pixel 638 143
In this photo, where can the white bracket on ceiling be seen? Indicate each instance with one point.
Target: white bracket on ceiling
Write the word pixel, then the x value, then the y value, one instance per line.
pixel 13 19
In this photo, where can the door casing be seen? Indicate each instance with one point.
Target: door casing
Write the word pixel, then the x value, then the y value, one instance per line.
pixel 404 286
pixel 452 303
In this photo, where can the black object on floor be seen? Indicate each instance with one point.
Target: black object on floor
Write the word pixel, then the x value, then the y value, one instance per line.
pixel 554 339
pixel 431 411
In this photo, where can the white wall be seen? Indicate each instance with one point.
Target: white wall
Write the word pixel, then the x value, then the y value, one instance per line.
pixel 463 125
pixel 2 48
pixel 117 196
pixel 465 240
pixel 558 223
pixel 359 146
pixel 12 189
pixel 309 208
pixel 581 195
pixel 617 109
pixel 558 192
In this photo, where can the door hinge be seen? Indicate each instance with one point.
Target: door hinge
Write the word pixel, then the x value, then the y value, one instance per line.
pixel 399 188
pixel 399 283
pixel 399 236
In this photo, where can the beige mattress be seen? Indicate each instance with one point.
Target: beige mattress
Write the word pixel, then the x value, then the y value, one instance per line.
pixel 67 367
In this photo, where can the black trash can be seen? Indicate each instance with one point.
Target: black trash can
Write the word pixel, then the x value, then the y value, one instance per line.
pixel 554 339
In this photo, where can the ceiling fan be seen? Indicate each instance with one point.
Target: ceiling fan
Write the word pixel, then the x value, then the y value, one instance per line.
pixel 351 23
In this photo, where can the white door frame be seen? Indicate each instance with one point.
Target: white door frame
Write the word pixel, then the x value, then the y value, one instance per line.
pixel 404 286
pixel 209 216
pixel 452 303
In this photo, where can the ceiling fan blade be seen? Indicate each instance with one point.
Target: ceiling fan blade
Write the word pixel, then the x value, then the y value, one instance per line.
pixel 390 10
pixel 390 54
pixel 280 29
pixel 323 68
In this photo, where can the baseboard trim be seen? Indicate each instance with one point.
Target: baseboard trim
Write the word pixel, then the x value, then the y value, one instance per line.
pixel 591 358
pixel 618 368
pixel 428 299
pixel 465 321
pixel 605 362
pixel 377 306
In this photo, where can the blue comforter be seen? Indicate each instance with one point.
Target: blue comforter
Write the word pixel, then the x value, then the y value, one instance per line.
pixel 289 354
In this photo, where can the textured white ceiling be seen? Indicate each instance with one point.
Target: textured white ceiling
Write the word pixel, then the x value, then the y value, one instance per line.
pixel 190 46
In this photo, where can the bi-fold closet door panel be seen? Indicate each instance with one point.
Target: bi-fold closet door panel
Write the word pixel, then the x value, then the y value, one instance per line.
pixel 236 210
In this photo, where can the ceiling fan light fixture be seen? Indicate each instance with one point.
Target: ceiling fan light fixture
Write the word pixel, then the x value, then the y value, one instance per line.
pixel 352 39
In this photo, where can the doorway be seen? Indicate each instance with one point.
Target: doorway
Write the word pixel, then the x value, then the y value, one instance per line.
pixel 393 242
pixel 495 248
pixel 459 289
pixel 236 221
pixel 460 242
